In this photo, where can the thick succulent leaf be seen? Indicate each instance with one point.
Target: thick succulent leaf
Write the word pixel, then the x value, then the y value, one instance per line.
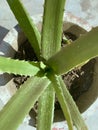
pixel 45 112
pixel 59 93
pixel 20 104
pixel 19 67
pixel 26 24
pixel 75 114
pixel 52 27
pixel 82 50
pixel 50 43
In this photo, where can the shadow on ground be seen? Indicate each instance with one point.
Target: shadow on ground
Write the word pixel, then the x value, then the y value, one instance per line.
pixel 3 32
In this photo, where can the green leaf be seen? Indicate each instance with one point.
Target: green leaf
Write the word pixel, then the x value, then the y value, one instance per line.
pixel 26 24
pixel 50 43
pixel 52 27
pixel 75 114
pixel 82 50
pixel 20 104
pixel 46 109
pixel 62 101
pixel 19 67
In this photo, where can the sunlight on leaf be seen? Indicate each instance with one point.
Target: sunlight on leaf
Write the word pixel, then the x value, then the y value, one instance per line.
pixel 20 104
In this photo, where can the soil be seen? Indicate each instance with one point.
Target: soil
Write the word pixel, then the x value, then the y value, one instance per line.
pixel 77 81
pixel 24 54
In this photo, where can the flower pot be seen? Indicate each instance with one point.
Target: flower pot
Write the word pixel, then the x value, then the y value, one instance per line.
pixel 9 47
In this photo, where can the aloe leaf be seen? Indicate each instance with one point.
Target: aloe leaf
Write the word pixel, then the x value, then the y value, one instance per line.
pixel 62 101
pixel 52 27
pixel 50 43
pixel 75 114
pixel 44 110
pixel 20 67
pixel 20 104
pixel 26 24
pixel 82 50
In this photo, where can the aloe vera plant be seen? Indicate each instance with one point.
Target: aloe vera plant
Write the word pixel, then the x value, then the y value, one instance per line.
pixel 45 75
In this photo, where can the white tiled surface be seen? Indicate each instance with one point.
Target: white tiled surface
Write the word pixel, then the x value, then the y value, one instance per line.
pixel 86 9
pixel 7 19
